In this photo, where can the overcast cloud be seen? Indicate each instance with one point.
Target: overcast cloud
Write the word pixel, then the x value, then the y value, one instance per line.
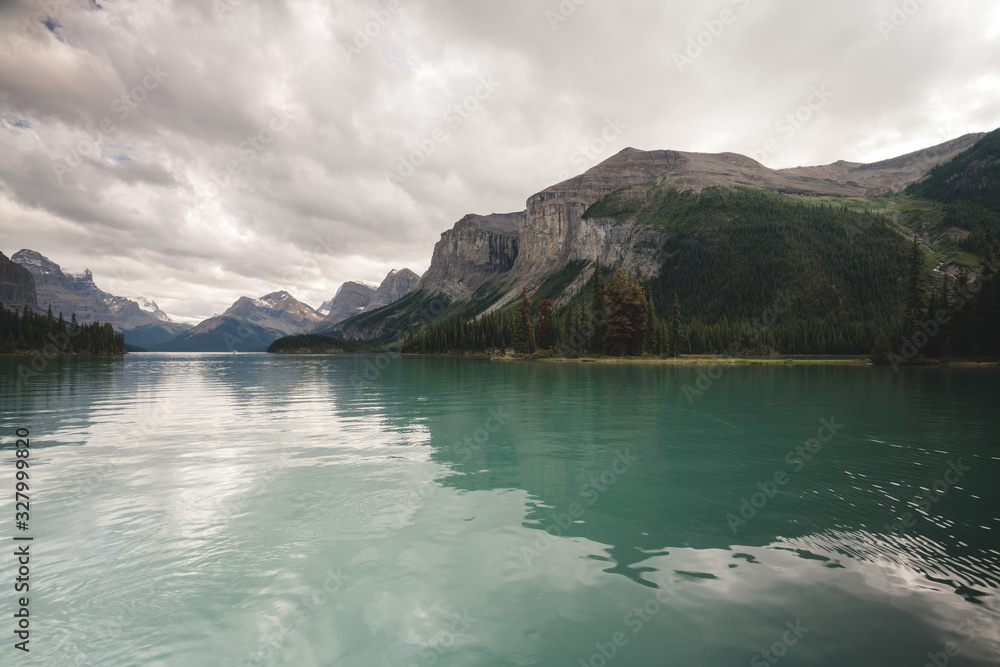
pixel 118 119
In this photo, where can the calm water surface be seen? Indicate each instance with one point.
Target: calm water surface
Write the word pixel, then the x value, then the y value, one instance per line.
pixel 256 510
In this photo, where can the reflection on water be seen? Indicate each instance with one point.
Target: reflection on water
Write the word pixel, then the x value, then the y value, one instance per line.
pixel 231 510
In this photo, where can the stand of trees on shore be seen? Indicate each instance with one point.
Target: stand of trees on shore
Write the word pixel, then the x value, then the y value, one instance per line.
pixel 615 318
pixel 943 317
pixel 24 331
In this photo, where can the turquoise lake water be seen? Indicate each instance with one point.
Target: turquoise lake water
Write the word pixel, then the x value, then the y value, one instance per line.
pixel 199 509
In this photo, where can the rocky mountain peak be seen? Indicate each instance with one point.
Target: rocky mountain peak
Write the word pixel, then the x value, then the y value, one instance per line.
pixel 350 299
pixel 278 310
pixel 393 288
pixel 45 271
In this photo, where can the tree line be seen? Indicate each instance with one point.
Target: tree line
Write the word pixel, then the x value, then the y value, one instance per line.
pixel 25 330
pixel 616 318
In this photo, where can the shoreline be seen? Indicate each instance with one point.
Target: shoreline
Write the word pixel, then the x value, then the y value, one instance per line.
pixel 691 361
pixel 737 361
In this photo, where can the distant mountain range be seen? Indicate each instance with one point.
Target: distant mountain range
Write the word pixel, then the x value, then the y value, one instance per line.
pixel 139 319
pixel 350 299
pixel 251 325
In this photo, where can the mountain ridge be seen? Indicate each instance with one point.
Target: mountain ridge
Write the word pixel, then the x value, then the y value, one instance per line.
pixel 485 261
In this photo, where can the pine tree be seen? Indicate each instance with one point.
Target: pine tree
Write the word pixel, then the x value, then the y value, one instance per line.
pixel 914 305
pixel 880 352
pixel 675 328
pixel 628 325
pixel 524 333
pixel 598 305
pixel 547 332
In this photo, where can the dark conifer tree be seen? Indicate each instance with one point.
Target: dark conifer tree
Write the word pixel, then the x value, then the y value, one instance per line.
pixel 675 328
pixel 524 334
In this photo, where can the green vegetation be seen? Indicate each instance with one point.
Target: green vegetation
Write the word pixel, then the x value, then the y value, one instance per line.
pixel 947 316
pixel 619 205
pixel 492 334
pixel 731 254
pixel 26 331
pixel 312 344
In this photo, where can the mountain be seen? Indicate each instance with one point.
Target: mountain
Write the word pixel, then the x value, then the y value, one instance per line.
pixel 17 285
pixel 351 299
pixel 722 230
pixel 279 310
pixel 249 325
pixel 140 319
pixel 393 288
pixel 354 299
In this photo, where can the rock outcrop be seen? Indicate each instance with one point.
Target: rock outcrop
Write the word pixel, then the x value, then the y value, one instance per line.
pixel 17 285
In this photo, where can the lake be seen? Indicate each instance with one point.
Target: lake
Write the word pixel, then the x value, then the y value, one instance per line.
pixel 210 509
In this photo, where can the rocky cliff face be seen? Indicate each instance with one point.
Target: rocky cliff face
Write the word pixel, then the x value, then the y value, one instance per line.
pixel 17 285
pixel 477 249
pixel 350 300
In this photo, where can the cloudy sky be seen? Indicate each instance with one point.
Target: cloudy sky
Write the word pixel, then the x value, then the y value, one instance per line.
pixel 194 151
